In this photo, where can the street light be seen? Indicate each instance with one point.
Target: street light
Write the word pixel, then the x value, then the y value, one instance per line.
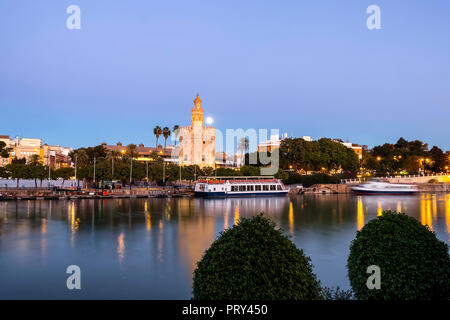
pixel 76 157
pixel 94 169
pixel 131 170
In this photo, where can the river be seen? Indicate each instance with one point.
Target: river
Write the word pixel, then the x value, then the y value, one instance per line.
pixel 148 248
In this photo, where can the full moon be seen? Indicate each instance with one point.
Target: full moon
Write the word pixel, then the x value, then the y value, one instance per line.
pixel 209 120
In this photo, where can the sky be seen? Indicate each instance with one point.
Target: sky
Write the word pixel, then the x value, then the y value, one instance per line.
pixel 304 67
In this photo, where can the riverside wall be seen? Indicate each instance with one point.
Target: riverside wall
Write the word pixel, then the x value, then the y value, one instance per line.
pixel 345 188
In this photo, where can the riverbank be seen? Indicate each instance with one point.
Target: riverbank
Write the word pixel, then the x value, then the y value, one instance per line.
pixel 8 194
pixel 345 188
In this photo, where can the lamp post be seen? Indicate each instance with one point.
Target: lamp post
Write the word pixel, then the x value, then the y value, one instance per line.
pixel 49 166
pixel 112 169
pixel 76 179
pixel 146 172
pixel 131 170
pixel 164 172
pixel 94 170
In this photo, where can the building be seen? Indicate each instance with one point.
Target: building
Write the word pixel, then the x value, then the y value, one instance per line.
pixel 307 138
pixel 355 147
pixel 144 153
pixel 56 156
pixel 271 144
pixel 197 142
pixel 26 148
pixel 223 160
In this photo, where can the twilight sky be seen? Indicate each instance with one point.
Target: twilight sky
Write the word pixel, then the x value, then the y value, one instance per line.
pixel 304 67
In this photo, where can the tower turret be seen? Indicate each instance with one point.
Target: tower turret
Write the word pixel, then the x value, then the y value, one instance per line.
pixel 197 113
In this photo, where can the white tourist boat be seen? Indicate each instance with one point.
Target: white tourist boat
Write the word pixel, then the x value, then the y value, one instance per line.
pixel 239 186
pixel 380 187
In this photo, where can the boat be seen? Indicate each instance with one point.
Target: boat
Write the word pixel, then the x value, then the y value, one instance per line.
pixel 239 186
pixel 385 188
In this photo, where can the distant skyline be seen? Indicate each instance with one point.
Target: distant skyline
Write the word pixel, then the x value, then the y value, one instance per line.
pixel 303 67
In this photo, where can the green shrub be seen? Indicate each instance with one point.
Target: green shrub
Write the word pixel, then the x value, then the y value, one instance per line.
pixel 254 260
pixel 414 264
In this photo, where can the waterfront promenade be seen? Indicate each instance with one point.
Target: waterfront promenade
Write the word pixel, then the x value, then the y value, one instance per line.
pixel 88 193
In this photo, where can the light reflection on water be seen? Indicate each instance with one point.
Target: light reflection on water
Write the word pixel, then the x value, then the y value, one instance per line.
pixel 148 248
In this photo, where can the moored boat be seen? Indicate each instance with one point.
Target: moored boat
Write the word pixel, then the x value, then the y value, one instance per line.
pixel 239 186
pixel 386 188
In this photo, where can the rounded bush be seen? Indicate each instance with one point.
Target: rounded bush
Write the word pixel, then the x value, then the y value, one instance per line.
pixel 254 260
pixel 413 263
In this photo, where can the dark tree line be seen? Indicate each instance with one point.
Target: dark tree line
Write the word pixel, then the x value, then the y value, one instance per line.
pixel 405 156
pixel 321 155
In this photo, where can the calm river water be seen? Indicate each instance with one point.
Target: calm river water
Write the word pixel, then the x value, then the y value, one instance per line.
pixel 148 248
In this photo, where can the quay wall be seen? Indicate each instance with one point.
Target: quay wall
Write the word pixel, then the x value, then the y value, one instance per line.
pixel 345 188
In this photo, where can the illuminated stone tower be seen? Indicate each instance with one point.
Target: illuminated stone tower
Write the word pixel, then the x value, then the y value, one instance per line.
pixel 197 142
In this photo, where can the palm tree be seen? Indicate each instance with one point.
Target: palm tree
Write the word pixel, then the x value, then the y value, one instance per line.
pixel 157 132
pixel 132 150
pixel 166 134
pixel 35 159
pixel 243 145
pixel 113 155
pixel 176 131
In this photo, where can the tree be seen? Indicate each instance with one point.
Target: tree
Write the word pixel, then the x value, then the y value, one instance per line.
pixel 18 171
pixel 80 157
pixel 413 263
pixel 4 173
pixel 243 145
pixel 254 261
pixel 35 159
pixel 247 170
pixel 157 131
pixel 37 171
pixel 412 164
pixel 296 154
pixel 64 173
pixel 166 134
pixel 176 131
pixel 132 150
pixel 4 152
pixel 438 159
pixel 112 156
